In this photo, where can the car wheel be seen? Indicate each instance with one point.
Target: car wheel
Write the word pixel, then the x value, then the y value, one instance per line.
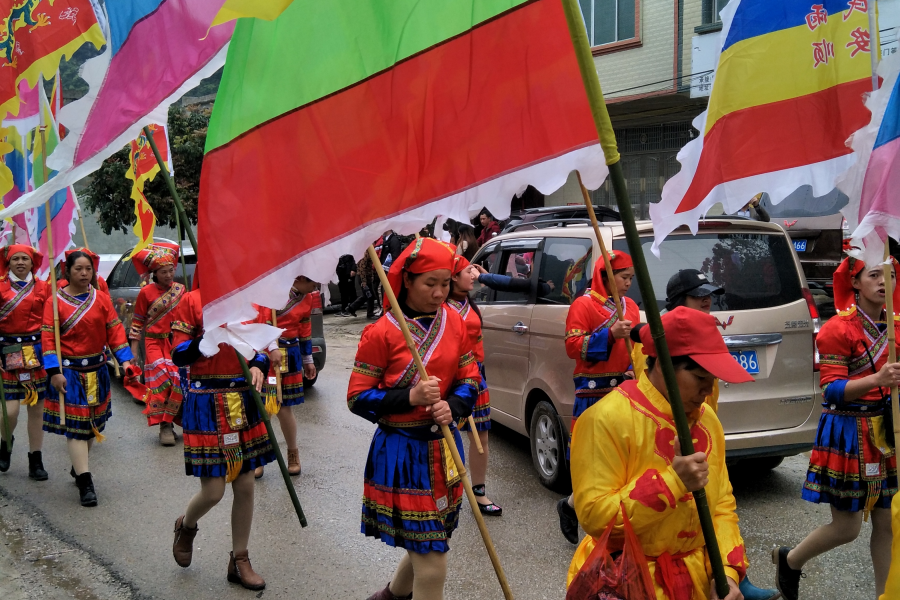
pixel 310 382
pixel 548 448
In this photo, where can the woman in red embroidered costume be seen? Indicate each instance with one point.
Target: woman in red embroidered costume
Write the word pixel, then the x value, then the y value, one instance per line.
pixel 463 281
pixel 853 466
pixel 225 438
pixel 22 297
pixel 87 324
pixel 596 340
pixel 152 318
pixel 292 353
pixel 412 492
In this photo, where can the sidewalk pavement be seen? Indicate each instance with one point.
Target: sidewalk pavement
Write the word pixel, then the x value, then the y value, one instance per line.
pixel 11 585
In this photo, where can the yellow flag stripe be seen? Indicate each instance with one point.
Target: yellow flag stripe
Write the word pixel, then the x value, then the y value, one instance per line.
pixel 780 66
pixel 259 9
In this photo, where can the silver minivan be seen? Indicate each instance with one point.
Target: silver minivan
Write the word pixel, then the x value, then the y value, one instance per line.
pixel 767 316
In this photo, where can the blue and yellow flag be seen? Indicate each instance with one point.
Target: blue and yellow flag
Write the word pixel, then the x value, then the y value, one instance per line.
pixel 787 94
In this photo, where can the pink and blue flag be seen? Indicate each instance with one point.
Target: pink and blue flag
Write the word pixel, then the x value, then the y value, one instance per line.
pixel 25 162
pixel 872 183
pixel 157 51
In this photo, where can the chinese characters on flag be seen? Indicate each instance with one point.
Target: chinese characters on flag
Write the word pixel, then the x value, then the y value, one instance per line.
pixel 859 41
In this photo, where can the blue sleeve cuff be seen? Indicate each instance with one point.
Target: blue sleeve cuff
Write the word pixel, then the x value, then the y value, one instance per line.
pixel 51 361
pixel 306 348
pixel 124 354
pixel 365 404
pixel 598 346
pixel 834 391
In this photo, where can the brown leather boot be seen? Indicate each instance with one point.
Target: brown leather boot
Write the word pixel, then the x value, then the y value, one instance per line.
pixel 166 434
pixel 183 546
pixel 387 594
pixel 240 571
pixel 293 462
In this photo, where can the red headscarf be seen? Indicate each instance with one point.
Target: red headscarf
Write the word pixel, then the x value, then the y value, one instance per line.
pixel 845 295
pixel 619 260
pixel 460 262
pixel 37 259
pixel 94 258
pixel 421 256
pixel 154 257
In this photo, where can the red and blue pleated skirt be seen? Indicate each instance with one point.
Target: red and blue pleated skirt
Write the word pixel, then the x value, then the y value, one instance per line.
pixel 481 414
pixel 15 381
pixel 410 500
pixel 213 439
pixel 292 379
pixel 847 468
pixel 87 398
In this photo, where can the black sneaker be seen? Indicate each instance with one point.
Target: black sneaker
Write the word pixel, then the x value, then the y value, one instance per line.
pixel 786 579
pixel 568 520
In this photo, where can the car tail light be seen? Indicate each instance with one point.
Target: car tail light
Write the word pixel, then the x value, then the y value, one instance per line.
pixel 317 349
pixel 816 323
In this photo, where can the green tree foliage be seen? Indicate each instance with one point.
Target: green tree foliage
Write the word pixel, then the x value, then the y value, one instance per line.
pixel 108 195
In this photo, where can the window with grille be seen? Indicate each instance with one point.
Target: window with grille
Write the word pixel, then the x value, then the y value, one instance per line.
pixel 609 21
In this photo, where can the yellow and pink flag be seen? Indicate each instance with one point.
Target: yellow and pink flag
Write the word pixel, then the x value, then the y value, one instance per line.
pixel 787 94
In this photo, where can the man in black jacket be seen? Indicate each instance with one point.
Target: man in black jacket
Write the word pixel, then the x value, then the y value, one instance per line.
pixel 346 272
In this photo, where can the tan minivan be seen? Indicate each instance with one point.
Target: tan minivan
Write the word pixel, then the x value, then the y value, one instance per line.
pixel 767 316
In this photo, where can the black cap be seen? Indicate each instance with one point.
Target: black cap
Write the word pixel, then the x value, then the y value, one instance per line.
pixel 690 282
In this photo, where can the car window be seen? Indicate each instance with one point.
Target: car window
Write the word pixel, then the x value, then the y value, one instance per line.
pixel 115 275
pixel 489 259
pixel 565 269
pixel 757 270
pixel 130 278
pixel 516 264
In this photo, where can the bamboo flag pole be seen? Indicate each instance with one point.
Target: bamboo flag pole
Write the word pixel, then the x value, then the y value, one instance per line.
pixel 470 419
pixel 261 408
pixel 445 430
pixel 278 391
pixel 7 433
pixel 164 171
pixel 52 258
pixel 651 309
pixel 260 405
pixel 888 263
pixel 891 336
pixel 610 276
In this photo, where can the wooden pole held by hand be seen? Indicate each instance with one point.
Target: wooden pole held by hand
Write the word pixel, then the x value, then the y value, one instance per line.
pixel 52 258
pixel 445 430
pixel 278 391
pixel 610 275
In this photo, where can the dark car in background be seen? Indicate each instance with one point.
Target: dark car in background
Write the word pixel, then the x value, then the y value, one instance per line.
pixel 817 230
pixel 125 284
pixel 549 216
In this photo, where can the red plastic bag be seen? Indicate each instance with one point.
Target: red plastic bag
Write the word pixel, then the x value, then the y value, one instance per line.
pixel 625 577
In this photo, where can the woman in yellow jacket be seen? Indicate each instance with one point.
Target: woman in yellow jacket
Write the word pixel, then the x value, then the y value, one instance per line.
pixel 625 455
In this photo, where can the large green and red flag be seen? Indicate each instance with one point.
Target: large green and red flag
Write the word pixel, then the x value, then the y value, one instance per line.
pixel 339 120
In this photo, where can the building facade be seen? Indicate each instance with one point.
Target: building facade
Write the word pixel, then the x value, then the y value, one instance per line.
pixel 655 60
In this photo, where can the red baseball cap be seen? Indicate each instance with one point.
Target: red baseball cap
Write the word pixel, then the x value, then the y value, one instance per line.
pixel 693 333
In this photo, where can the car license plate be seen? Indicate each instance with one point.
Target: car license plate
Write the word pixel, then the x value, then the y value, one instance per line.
pixel 748 360
pixel 800 245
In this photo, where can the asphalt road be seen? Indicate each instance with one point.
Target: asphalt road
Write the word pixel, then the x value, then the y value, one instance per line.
pixel 54 548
